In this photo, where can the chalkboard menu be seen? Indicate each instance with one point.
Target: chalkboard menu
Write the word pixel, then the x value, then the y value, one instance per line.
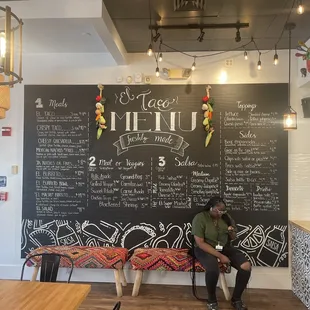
pixel 142 182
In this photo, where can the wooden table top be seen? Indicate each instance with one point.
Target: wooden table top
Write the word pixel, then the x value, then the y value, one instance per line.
pixel 304 225
pixel 25 295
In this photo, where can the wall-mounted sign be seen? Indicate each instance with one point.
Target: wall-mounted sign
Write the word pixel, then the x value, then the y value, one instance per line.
pixel 3 181
pixel 6 131
pixel 143 181
pixel 3 196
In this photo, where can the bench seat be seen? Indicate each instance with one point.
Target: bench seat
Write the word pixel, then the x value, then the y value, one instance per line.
pixel 86 257
pixel 168 260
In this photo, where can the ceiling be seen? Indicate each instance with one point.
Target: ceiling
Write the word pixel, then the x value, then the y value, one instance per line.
pixel 57 35
pixel 266 20
pixel 63 26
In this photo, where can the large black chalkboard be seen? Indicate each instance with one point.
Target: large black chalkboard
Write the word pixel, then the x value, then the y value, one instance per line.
pixel 142 182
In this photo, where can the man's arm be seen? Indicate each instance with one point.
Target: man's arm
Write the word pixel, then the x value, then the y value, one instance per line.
pixel 232 233
pixel 232 230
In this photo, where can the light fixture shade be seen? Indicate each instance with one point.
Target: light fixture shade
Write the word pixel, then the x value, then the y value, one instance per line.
pixel 290 119
pixel 10 47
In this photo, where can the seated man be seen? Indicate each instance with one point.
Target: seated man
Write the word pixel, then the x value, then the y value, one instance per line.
pixel 213 229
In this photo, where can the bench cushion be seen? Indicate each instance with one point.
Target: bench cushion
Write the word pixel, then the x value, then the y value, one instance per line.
pixel 84 256
pixel 166 260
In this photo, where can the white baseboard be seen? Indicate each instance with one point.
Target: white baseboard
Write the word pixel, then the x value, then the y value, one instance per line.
pixel 264 278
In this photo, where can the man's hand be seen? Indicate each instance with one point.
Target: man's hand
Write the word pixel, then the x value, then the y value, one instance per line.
pixel 232 232
pixel 224 259
pixel 207 247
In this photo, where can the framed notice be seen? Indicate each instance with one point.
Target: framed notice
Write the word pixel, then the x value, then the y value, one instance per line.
pixel 3 181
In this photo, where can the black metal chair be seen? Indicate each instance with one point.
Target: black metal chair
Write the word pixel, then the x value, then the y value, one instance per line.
pixel 49 266
pixel 117 306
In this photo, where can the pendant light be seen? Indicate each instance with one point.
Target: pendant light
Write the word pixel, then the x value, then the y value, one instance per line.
pixel 300 7
pixel 9 50
pixel 290 115
pixel 150 48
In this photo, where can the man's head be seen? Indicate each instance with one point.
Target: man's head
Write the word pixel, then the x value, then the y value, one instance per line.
pixel 216 206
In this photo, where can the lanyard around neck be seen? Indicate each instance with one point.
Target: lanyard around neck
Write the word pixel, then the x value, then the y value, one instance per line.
pixel 217 226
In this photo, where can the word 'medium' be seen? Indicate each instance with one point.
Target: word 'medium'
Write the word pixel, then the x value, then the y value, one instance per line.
pixel 140 121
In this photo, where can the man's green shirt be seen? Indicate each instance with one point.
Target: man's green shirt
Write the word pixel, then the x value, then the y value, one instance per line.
pixel 204 227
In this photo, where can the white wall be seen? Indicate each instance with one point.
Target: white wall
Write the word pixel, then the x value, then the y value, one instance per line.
pixel 95 68
pixel 299 148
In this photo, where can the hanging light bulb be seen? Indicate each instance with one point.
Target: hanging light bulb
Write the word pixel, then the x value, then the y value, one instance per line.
pixel 300 8
pixel 259 63
pixel 289 115
pixel 160 58
pixel 157 72
pixel 194 64
pixel 275 57
pixel 245 55
pixel 150 50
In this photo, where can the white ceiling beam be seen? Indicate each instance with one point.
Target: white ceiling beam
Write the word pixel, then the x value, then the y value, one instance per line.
pixel 110 37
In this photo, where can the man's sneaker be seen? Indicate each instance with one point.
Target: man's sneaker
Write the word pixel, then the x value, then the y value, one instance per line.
pixel 239 305
pixel 212 306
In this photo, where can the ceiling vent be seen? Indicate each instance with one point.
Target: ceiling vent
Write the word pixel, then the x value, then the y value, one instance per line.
pixel 189 5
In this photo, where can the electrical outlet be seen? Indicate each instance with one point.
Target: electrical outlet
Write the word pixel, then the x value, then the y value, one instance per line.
pixel 229 63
